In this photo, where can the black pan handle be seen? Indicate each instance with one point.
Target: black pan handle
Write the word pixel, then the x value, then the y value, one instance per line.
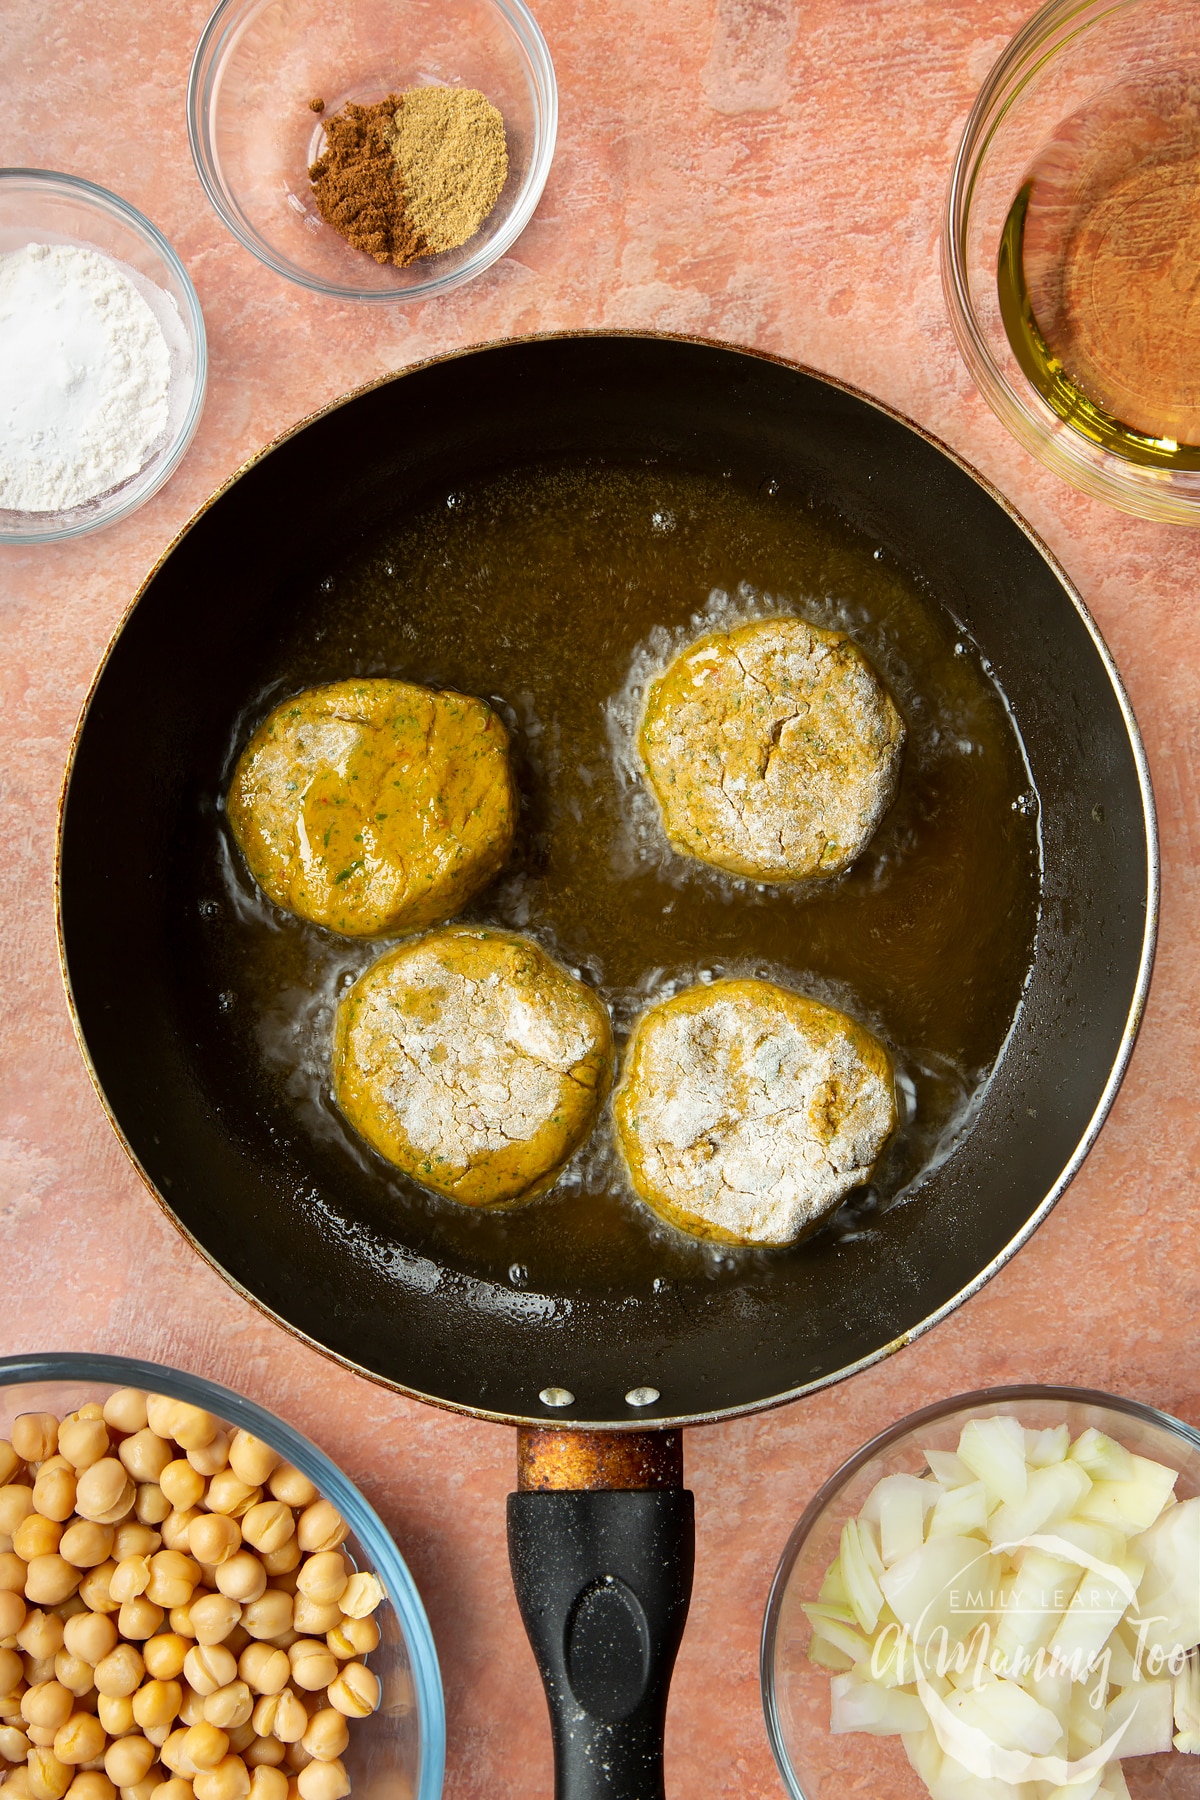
pixel 603 1579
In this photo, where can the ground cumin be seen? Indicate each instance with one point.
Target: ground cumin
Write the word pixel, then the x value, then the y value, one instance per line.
pixel 413 175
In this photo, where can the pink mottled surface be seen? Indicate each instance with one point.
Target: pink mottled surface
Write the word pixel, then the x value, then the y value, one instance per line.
pixel 764 171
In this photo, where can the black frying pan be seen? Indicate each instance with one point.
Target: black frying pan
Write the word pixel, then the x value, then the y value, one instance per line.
pixel 194 659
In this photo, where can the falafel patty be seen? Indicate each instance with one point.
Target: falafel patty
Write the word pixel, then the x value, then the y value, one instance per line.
pixel 746 1112
pixel 773 750
pixel 374 807
pixel 473 1062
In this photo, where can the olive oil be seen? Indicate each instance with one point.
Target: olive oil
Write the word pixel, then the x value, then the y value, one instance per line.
pixel 1098 274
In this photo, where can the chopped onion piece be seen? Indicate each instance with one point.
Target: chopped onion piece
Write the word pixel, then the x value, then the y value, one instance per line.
pixel 1169 1596
pixel 995 1450
pixel 1131 1506
pixel 897 1505
pixel 960 1511
pixel 949 1470
pixel 882 1712
pixel 1149 1709
pixel 1187 1707
pixel 1102 1457
pixel 1045 1447
pixel 1050 1494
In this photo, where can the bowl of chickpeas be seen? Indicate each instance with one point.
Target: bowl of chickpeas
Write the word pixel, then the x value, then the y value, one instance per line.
pixel 195 1603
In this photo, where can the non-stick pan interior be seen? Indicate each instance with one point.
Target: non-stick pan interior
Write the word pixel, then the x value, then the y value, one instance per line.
pixel 189 664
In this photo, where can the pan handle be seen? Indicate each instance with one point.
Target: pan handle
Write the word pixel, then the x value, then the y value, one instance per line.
pixel 603 1574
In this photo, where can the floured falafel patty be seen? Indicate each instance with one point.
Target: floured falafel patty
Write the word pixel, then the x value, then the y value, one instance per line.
pixel 773 750
pixel 746 1112
pixel 374 807
pixel 473 1062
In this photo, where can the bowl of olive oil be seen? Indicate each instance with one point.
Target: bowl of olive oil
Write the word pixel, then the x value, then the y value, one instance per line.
pixel 1071 248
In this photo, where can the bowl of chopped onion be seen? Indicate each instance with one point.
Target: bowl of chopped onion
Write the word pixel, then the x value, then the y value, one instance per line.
pixel 195 1603
pixel 997 1599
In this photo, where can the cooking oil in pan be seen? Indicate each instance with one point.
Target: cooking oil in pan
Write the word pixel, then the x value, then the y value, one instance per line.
pixel 1099 273
pixel 555 593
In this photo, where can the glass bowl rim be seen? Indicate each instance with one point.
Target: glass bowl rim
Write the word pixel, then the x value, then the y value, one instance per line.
pixel 334 1484
pixel 105 200
pixel 528 33
pixel 1071 456
pixel 883 1440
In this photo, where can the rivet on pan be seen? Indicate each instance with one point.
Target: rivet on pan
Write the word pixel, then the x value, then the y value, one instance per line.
pixel 553 1396
pixel 641 1396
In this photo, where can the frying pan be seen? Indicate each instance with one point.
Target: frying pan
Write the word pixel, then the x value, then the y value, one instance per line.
pixel 600 1532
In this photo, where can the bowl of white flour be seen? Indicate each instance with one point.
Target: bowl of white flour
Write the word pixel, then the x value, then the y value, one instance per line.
pixel 102 357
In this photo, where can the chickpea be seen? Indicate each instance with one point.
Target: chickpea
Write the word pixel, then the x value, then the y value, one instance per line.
pixel 311 1620
pixel 12 1573
pixel 17 1785
pixel 14 1745
pixel 192 1710
pixel 174 1757
pixel 134 1539
pixel 91 1784
pixel 83 1441
pixel 183 1485
pixel 164 1655
pixel 139 1618
pixel 75 1675
pixel 50 1580
pixel 157 1703
pixel 213 1539
pixel 324 1577
pixel 10 1462
pixel 327 1735
pixel 230 1780
pixel 230 1707
pixel 323 1781
pixel 173 1578
pixel 12 1613
pixel 12 1671
pixel 320 1527
pixel 49 1704
pixel 36 1536
pixel 49 1779
pixel 95 1591
pixel 35 1436
pixel 213 1456
pixel 131 1578
pixel 267 1782
pixel 355 1691
pixel 142 1790
pixel 251 1460
pixel 291 1717
pixel 180 1618
pixel 177 1526
pixel 38 1669
pixel 150 1504
pixel 279 1564
pixel 192 1427
pixel 289 1485
pixel 214 1617
pixel 361 1595
pixel 120 1673
pixel 129 1760
pixel 90 1636
pixel 263 1753
pixel 205 1745
pixel 115 1713
pixel 82 1739
pixel 268 1526
pixel 54 1489
pixel 16 1503
pixel 125 1410
pixel 269 1615
pixel 104 1492
pixel 84 1545
pixel 175 1789
pixel 209 1667
pixel 242 1578
pixel 226 1494
pixel 144 1455
pixel 264 1669
pixel 240 1737
pixel 314 1665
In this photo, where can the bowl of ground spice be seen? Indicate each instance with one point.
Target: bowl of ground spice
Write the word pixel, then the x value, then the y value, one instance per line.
pixel 376 150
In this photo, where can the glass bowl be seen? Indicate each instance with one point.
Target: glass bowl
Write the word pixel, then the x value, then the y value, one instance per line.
pixel 253 135
pixel 1094 94
pixel 814 1763
pixel 398 1753
pixel 38 206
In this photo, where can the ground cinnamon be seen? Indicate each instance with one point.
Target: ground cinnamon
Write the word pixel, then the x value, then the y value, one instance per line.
pixel 413 175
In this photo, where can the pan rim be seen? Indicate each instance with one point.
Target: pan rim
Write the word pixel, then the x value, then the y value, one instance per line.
pixel 1130 1028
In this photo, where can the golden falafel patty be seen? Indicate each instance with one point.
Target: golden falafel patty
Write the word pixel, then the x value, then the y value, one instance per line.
pixel 473 1062
pixel 374 807
pixel 773 750
pixel 746 1112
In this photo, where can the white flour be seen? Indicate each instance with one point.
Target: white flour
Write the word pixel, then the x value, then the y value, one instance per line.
pixel 84 374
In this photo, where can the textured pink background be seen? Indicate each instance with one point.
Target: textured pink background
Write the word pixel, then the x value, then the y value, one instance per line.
pixel 766 171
